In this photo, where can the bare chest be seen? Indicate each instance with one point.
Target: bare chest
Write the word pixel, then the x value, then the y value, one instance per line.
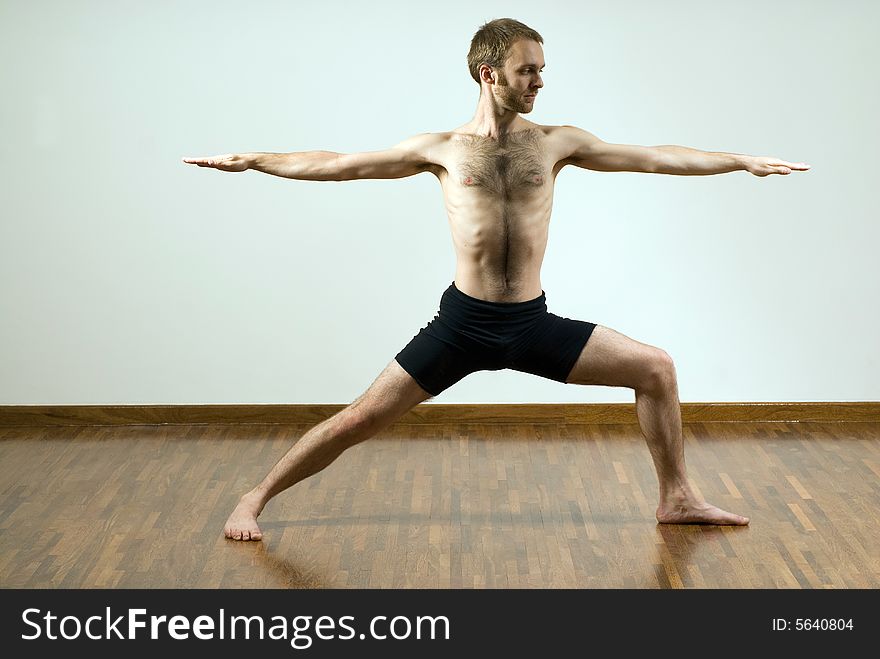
pixel 513 163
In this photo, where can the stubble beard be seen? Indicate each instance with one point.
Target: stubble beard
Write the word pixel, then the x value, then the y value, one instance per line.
pixel 509 97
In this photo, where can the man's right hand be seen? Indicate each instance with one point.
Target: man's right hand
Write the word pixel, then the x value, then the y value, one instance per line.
pixel 231 162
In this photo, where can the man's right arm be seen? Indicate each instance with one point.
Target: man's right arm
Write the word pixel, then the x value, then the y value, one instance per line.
pixel 412 156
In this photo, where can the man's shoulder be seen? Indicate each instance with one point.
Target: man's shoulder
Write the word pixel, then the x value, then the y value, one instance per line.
pixel 425 141
pixel 564 140
pixel 563 130
pixel 566 137
pixel 558 136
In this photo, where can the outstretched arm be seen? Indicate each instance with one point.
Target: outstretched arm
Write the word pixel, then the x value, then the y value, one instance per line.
pixel 412 156
pixel 685 161
pixel 586 150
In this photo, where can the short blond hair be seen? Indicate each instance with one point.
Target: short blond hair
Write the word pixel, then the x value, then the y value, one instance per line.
pixel 492 41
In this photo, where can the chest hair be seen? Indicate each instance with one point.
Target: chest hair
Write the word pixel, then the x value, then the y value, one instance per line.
pixel 502 166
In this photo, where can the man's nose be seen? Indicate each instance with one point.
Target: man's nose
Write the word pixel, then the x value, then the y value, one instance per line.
pixel 539 82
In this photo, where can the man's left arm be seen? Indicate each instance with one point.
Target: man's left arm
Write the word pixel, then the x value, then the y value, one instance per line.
pixel 684 161
pixel 585 150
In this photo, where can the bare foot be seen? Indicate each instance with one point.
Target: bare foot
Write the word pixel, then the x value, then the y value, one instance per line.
pixel 242 523
pixel 697 512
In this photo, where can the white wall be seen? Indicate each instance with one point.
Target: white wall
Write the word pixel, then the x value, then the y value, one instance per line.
pixel 128 277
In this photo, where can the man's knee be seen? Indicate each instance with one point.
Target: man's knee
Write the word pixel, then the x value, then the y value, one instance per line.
pixel 660 371
pixel 355 423
pixel 367 416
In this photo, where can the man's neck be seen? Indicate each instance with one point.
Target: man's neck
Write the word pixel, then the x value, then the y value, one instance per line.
pixel 493 121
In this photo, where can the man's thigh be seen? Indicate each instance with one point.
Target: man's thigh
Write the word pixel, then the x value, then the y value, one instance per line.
pixel 612 359
pixel 391 395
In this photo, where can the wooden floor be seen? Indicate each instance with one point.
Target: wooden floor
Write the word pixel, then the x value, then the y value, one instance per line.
pixel 444 506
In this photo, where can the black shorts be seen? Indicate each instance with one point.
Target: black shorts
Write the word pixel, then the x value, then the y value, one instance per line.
pixel 469 334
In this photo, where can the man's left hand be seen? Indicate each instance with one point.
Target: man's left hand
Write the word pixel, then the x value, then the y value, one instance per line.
pixel 762 166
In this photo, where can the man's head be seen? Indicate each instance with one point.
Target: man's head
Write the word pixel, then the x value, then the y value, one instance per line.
pixel 506 59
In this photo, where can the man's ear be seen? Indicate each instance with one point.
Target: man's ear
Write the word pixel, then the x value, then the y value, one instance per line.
pixel 487 74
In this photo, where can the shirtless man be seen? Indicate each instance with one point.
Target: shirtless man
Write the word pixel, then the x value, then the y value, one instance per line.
pixel 497 174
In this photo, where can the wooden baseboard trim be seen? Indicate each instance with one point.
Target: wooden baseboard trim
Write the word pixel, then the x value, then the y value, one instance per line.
pixel 430 413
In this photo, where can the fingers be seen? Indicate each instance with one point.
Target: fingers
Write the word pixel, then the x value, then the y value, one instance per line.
pixel 789 167
pixel 783 167
pixel 205 162
pixel 229 162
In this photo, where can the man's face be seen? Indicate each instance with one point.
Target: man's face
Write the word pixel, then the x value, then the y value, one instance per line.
pixel 520 79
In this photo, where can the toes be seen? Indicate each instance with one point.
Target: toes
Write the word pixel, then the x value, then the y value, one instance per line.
pixel 737 520
pixel 245 534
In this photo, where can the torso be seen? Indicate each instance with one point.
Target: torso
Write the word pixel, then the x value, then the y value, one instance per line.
pixel 499 194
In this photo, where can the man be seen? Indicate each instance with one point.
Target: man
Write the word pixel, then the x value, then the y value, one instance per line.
pixel 497 174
